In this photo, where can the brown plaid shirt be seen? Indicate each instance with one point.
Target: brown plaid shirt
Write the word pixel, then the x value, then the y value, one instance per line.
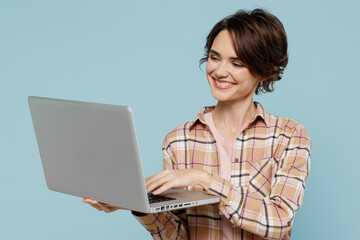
pixel 269 166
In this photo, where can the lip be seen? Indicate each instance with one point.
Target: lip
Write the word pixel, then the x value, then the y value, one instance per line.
pixel 222 87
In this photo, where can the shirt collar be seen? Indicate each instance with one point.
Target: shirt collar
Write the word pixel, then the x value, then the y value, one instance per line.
pixel 260 113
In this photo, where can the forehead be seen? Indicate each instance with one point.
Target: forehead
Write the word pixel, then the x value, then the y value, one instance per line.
pixel 223 44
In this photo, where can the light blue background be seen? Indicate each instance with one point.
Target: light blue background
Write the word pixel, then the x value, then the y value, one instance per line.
pixel 145 54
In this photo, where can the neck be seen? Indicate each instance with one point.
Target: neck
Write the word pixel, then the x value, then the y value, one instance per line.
pixel 234 116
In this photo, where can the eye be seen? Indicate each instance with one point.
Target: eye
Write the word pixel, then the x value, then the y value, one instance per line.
pixel 212 57
pixel 238 65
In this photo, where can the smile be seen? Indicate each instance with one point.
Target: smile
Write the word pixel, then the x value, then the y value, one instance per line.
pixel 223 84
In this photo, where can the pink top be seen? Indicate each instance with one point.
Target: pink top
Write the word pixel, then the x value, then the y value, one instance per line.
pixel 224 149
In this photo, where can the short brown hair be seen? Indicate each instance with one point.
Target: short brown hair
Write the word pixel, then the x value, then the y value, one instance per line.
pixel 260 42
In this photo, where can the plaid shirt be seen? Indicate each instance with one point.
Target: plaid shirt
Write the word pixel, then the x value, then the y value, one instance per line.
pixel 269 166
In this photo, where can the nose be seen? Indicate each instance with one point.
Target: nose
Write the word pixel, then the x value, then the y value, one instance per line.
pixel 221 71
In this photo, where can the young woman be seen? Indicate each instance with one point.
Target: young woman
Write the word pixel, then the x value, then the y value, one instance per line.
pixel 256 162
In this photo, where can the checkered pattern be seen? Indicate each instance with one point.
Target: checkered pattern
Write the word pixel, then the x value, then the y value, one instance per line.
pixel 269 166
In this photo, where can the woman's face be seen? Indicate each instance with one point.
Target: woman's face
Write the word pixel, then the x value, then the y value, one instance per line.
pixel 229 80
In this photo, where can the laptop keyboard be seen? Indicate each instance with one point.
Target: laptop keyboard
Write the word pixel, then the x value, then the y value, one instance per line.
pixel 158 198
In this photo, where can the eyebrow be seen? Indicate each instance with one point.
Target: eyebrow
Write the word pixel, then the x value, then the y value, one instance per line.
pixel 216 53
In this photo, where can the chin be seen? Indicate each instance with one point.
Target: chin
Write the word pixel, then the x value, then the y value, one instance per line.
pixel 221 97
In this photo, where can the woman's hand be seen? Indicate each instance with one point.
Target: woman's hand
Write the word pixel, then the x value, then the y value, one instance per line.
pixel 183 178
pixel 101 206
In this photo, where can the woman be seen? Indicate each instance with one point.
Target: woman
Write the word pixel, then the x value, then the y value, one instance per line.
pixel 256 162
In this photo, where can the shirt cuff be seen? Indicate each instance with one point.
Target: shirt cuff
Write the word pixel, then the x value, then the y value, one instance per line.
pixel 151 221
pixel 219 187
pixel 138 214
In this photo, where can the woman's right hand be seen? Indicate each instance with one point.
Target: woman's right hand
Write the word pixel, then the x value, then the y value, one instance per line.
pixel 101 206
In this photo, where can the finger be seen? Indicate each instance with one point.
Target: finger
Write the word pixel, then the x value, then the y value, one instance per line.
pixel 163 188
pixel 157 176
pixel 101 206
pixel 96 207
pixel 113 207
pixel 160 182
pixel 110 206
pixel 105 207
pixel 156 181
pixel 87 200
pixel 95 204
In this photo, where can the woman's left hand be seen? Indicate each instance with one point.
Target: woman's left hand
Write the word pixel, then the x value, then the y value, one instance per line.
pixel 101 206
pixel 183 178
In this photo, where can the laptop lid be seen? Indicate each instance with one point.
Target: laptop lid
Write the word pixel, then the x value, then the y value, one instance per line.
pixel 90 150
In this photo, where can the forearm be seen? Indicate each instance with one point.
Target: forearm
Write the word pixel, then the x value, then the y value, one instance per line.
pixel 268 216
pixel 266 204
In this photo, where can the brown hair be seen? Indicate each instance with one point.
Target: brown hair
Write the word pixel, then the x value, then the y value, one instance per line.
pixel 260 42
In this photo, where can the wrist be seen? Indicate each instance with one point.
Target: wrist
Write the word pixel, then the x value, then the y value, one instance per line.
pixel 205 180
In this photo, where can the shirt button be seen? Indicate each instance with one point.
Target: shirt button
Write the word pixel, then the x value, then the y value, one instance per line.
pixel 236 160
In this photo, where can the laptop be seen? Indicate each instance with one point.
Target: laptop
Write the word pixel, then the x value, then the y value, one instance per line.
pixel 91 150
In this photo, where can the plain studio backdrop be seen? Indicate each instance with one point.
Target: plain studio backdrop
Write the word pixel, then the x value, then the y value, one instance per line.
pixel 146 54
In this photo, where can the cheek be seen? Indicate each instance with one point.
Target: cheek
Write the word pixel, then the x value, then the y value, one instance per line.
pixel 210 67
pixel 244 76
pixel 207 68
pixel 208 72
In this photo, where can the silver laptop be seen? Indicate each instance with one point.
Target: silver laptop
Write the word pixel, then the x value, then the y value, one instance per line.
pixel 91 150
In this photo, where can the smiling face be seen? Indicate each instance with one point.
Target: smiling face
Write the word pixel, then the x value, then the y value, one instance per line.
pixel 229 80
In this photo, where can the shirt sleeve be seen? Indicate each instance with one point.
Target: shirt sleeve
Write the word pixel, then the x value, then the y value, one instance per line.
pixel 269 216
pixel 171 224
